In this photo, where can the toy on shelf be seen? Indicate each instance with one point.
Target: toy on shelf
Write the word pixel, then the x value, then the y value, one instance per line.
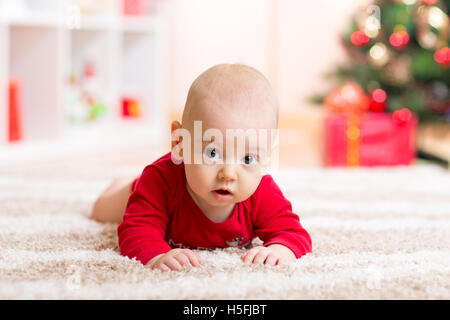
pixel 82 98
pixel 139 7
pixel 131 108
pixel 135 7
pixel 91 90
pixel 97 7
pixel 15 111
pixel 76 109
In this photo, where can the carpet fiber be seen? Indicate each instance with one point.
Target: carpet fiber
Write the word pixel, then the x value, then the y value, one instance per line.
pixel 377 234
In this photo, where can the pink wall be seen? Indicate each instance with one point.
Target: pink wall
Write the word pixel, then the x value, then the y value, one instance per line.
pixel 291 41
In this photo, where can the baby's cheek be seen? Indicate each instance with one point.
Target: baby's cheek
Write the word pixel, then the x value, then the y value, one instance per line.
pixel 191 177
pixel 248 184
pixel 208 176
pixel 199 177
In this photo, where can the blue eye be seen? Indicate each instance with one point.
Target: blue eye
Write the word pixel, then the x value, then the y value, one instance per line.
pixel 212 153
pixel 249 159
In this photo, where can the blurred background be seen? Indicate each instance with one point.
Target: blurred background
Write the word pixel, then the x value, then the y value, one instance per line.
pixel 360 83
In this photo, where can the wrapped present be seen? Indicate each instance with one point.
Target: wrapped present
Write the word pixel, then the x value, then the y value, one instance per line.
pixel 359 133
pixel 370 139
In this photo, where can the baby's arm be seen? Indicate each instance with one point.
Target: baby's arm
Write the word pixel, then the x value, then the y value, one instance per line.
pixel 285 240
pixel 142 231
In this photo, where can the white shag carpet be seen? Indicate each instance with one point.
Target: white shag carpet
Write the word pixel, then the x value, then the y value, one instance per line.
pixel 377 234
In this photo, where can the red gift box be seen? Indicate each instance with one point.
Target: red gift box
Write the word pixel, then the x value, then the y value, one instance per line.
pixel 373 139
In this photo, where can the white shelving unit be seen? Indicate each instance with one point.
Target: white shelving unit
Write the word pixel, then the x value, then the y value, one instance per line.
pixel 4 57
pixel 45 43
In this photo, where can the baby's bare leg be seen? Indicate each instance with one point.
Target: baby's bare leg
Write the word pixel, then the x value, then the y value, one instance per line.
pixel 111 204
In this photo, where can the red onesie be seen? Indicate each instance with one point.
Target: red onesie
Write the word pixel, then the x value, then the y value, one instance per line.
pixel 161 215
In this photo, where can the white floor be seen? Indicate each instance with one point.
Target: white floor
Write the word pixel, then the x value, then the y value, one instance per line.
pixel 377 234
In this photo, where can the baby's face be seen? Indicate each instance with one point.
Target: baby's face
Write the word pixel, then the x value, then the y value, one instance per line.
pixel 228 171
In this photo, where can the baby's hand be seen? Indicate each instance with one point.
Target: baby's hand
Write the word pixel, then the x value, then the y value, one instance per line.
pixel 275 254
pixel 174 260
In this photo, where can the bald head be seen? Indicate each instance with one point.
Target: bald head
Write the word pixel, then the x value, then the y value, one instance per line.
pixel 235 88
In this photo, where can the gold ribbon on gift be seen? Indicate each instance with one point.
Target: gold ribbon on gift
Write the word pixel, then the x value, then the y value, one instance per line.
pixel 351 101
pixel 353 139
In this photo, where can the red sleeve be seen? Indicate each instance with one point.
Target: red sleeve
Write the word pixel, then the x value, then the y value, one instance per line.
pixel 275 222
pixel 142 231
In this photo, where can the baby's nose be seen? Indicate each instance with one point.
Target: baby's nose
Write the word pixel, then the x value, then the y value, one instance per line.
pixel 227 173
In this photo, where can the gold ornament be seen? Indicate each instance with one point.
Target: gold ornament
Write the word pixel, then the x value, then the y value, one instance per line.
pixel 379 54
pixel 428 17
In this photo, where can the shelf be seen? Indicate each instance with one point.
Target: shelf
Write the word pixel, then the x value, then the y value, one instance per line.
pixel 32 13
pixel 35 58
pixel 87 22
pixel 79 140
pixel 139 24
pixel 49 21
pixel 97 23
pixel 43 49
pixel 4 71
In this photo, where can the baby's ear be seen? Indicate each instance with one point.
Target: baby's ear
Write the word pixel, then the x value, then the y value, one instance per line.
pixel 181 143
pixel 176 139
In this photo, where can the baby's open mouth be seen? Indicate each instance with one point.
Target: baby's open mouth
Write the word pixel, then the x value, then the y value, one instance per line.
pixel 222 192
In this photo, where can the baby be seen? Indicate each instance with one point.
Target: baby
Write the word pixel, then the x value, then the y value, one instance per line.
pixel 207 192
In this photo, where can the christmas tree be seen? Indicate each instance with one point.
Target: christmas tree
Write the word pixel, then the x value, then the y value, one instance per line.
pixel 399 55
